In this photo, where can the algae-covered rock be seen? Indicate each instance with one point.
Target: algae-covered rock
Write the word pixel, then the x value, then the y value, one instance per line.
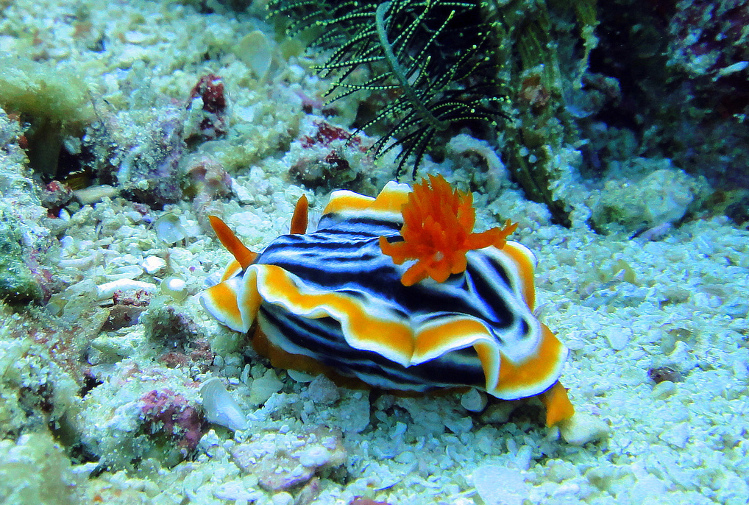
pixel 129 420
pixel 37 385
pixel 36 470
pixel 43 90
pixel 138 151
pixel 635 204
pixel 17 282
pixel 55 102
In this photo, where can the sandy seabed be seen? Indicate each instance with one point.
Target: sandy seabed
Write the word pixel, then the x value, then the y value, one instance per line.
pixel 656 325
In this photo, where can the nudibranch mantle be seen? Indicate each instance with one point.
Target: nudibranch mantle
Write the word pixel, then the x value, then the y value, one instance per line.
pixel 337 298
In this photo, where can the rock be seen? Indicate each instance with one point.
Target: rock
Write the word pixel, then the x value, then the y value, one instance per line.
pixel 354 413
pixel 234 491
pixel 285 460
pixel 583 428
pixel 17 281
pixel 323 391
pixel 637 202
pixel 663 390
pixel 499 485
pixel 263 387
pixel 473 400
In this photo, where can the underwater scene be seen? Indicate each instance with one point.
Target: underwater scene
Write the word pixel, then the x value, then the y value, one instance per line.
pixel 353 252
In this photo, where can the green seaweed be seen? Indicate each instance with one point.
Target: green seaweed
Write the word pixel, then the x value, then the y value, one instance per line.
pixel 542 126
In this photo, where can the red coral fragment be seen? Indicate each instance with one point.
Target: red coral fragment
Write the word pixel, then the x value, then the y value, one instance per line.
pixel 327 133
pixel 56 195
pixel 210 89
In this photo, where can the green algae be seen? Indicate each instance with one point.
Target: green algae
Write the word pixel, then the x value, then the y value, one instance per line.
pixel 53 101
pixel 17 282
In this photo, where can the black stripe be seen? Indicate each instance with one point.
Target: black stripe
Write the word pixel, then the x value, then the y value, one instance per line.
pixel 323 336
pixel 336 223
pixel 480 292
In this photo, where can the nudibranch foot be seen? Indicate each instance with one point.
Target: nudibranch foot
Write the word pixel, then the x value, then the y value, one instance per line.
pixel 339 300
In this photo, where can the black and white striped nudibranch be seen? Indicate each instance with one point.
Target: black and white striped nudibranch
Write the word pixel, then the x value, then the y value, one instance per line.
pixel 350 301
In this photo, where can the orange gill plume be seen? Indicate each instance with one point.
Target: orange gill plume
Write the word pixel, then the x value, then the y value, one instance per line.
pixel 438 232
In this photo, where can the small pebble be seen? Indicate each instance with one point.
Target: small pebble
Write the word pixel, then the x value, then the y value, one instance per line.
pixel 282 498
pixel 263 387
pixel 302 377
pixel 314 456
pixel 153 265
pixel 664 373
pixel 323 391
pixel 459 425
pixel 583 428
pixel 500 485
pixel 663 390
pixel 235 491
pixel 619 338
pixel 136 37
pixel 473 400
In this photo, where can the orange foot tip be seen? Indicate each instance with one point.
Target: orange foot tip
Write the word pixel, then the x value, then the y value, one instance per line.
pixel 558 405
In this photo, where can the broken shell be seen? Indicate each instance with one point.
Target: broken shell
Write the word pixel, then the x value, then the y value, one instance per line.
pixel 106 290
pixel 169 229
pixel 220 407
pixel 255 51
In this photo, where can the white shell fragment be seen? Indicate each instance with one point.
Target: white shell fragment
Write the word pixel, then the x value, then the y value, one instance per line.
pixel 220 407
pixel 93 194
pixel 473 400
pixel 169 229
pixel 106 290
pixel 153 265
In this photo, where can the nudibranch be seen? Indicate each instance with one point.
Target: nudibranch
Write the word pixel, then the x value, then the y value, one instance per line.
pixel 396 292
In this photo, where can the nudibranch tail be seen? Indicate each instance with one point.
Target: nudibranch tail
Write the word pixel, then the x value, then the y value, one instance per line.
pixel 437 232
pixel 558 405
pixel 244 256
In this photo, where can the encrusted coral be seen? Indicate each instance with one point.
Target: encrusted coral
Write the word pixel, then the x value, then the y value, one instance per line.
pixel 128 419
pixel 17 282
pixel 170 420
pixel 139 151
pixel 178 340
pixel 208 104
